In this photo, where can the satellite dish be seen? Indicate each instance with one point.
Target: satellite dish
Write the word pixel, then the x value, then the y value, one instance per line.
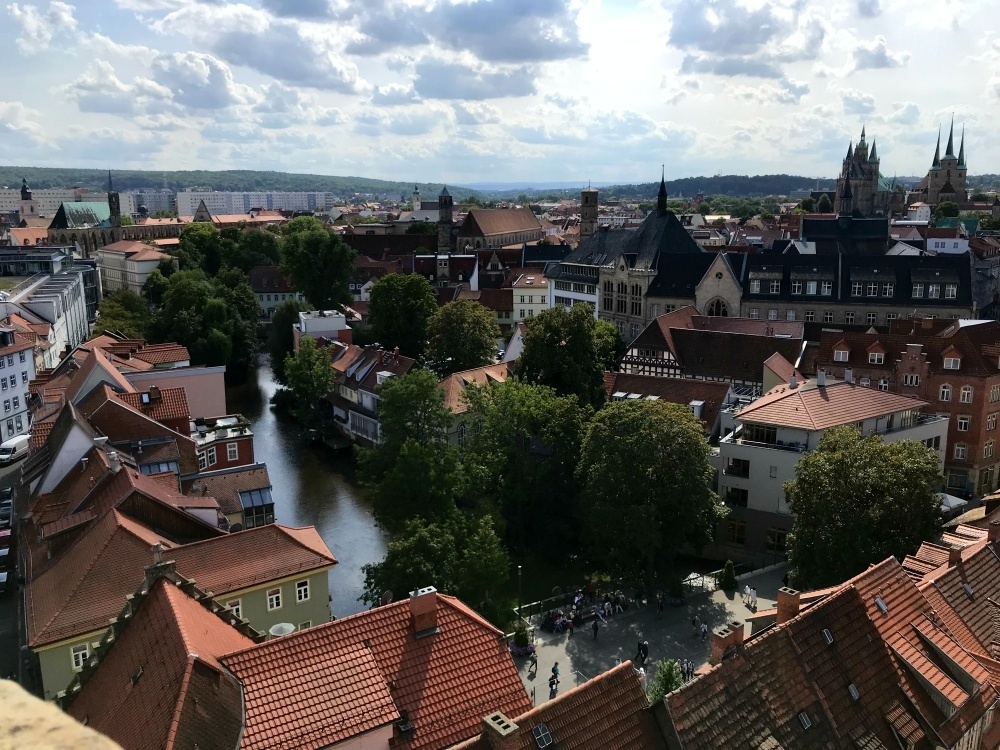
pixel 386 598
pixel 281 629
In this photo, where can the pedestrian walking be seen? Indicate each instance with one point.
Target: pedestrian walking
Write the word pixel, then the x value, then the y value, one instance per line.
pixel 644 650
pixel 638 653
pixel 746 594
pixel 695 623
pixel 553 687
pixel 753 599
pixel 533 662
pixel 595 627
pixel 555 671
pixel 569 627
pixel 704 630
pixel 598 613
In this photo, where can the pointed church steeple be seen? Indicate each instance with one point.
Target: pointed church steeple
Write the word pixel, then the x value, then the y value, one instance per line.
pixel 846 199
pixel 949 152
pixel 873 156
pixel 661 196
pixel 862 141
pixel 111 188
pixel 936 164
pixel 850 148
pixel 961 150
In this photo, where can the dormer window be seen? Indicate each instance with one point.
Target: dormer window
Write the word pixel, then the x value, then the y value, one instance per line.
pixel 952 363
pixel 876 358
pixel 840 355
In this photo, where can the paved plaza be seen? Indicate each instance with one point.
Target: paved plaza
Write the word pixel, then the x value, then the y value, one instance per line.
pixel 670 636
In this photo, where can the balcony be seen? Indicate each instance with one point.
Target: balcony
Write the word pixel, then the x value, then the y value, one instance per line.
pixel 737 468
pixel 737 439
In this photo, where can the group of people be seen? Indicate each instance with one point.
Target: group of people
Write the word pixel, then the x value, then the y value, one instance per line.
pixel 699 627
pixel 750 596
pixel 641 654
pixel 687 669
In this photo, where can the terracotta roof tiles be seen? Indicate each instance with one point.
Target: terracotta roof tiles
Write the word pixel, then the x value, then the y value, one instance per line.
pixel 455 385
pixel 171 404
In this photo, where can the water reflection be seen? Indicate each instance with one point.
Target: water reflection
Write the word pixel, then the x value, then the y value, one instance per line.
pixel 312 487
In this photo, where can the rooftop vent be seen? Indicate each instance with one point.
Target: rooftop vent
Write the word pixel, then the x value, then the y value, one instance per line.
pixel 543 738
pixel 853 690
pixel 968 590
pixel 828 637
pixel 880 603
pixel 281 629
pixel 804 720
pixel 404 725
pixel 137 675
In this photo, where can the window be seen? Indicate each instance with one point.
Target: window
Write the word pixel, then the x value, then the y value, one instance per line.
pixel 79 655
pixel 273 599
pixel 918 290
pixel 911 380
pixel 827 288
pixel 210 455
pixel 17 403
pixel 236 606
pixel 306 624
pixel 933 291
pixel 796 287
pixel 301 592
pixel 13 381
pixel 6 404
pixel 963 423
pixel 865 382
pixel 10 427
pixel 945 393
pixel 828 317
pixel 876 358
pixel 994 393
pixel 873 289
pixel 232 451
pixel 857 288
pixel 991 422
pixel 775 286
pixel 22 356
pixel 988 449
pixel 3 382
pixel 883 384
pixel 737 497
pixel 634 330
pixel 790 315
pixel 810 316
pixel 950 292
pixel 889 317
pixel 887 289
pixel 736 532
pixel 849 318
pixel 872 318
pixel 952 363
pixel 755 286
pixel 10 360
pixel 840 355
pixel 966 394
pixel 754 313
pixel 202 465
pixel 772 314
pixel 961 449
pixel 776 539
pixel 24 376
pixel 810 287
pixel 20 424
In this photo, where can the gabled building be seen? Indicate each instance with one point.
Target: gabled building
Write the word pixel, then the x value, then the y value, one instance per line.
pixel 358 372
pixel 455 386
pixel 272 288
pixel 127 264
pixel 705 399
pixel 493 228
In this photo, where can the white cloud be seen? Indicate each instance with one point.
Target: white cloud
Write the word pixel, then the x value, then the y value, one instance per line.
pixel 876 54
pixel 16 118
pixel 199 81
pixel 100 90
pixel 857 102
pixel 38 28
pixel 440 79
pixel 393 94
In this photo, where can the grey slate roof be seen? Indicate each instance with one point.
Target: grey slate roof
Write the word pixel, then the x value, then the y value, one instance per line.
pixel 82 215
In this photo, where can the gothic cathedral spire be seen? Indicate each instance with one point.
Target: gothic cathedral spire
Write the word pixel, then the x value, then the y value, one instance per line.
pixel 873 156
pixel 950 151
pixel 961 151
pixel 661 196
pixel 936 164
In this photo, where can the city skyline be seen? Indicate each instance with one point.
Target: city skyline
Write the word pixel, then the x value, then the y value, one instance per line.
pixel 497 91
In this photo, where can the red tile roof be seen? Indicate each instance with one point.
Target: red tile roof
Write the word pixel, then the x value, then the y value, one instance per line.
pixel 160 685
pixel 227 484
pixel 811 407
pixel 674 390
pixel 169 404
pixel 158 354
pixel 446 681
pixel 454 385
pixel 488 222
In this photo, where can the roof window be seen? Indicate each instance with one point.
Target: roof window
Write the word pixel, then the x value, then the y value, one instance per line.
pixel 880 603
pixel 840 355
pixel 543 738
pixel 804 720
pixel 853 690
pixel 952 363
pixel 828 637
pixel 968 590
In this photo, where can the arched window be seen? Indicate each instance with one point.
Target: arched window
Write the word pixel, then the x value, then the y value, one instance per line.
pixel 622 287
pixel 461 435
pixel 966 397
pixel 945 394
pixel 718 308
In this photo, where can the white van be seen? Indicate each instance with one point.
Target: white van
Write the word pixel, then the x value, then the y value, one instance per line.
pixel 14 449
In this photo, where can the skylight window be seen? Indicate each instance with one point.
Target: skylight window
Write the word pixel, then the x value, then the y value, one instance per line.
pixel 828 637
pixel 968 590
pixel 543 738
pixel 804 720
pixel 853 690
pixel 880 603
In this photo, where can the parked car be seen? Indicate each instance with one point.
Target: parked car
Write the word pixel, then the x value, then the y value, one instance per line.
pixel 14 449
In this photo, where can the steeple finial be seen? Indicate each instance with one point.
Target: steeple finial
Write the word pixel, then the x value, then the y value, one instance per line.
pixel 661 196
pixel 850 148
pixel 950 151
pixel 873 156
pixel 937 152
pixel 847 199
pixel 111 188
pixel 862 135
pixel 961 150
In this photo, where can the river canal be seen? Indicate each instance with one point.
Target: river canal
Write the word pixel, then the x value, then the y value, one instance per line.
pixel 312 486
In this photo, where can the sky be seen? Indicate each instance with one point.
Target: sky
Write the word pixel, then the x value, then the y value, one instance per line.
pixel 497 90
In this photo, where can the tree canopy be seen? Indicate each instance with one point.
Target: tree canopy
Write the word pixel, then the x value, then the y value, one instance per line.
pixel 399 309
pixel 462 335
pixel 946 209
pixel 123 312
pixel 318 262
pixel 561 350
pixel 309 375
pixel 824 205
pixel 280 339
pixel 857 500
pixel 645 470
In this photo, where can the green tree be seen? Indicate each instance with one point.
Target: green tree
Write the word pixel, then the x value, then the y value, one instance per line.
pixel 460 555
pixel 808 205
pixel 667 679
pixel 608 344
pixel 824 205
pixel 198 239
pixel 399 309
pixel 318 262
pixel 946 209
pixel 123 312
pixel 704 208
pixel 280 339
pixel 309 374
pixel 155 287
pixel 167 266
pixel 462 335
pixel 522 457
pixel 646 472
pixel 561 351
pixel 422 227
pixel 252 247
pixel 857 500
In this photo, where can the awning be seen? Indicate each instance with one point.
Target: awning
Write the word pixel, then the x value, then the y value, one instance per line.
pixel 950 503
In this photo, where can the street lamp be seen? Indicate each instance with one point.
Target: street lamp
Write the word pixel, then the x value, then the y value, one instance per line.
pixel 519 591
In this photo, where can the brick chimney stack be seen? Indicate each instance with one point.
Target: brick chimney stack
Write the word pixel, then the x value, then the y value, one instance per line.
pixel 788 604
pixel 722 639
pixel 499 732
pixel 954 556
pixel 994 531
pixel 737 627
pixel 423 611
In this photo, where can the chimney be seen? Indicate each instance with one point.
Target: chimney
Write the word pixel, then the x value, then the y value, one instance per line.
pixel 159 568
pixel 737 627
pixel 379 357
pixel 994 531
pixel 722 639
pixel 154 393
pixel 848 375
pixel 499 732
pixel 954 556
pixel 991 502
pixel 114 462
pixel 794 382
pixel 821 378
pixel 788 604
pixel 423 611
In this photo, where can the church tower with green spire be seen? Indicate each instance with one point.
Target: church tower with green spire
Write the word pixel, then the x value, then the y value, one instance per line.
pixel 946 179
